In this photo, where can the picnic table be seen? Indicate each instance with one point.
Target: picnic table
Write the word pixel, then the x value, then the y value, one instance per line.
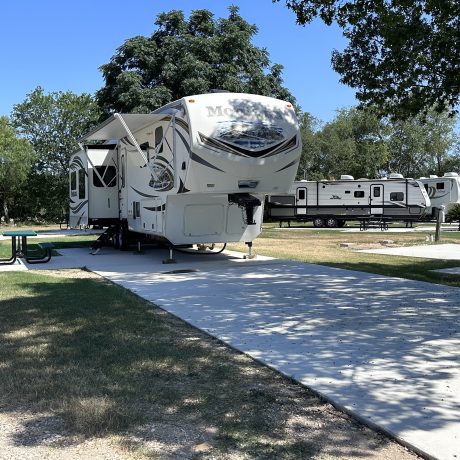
pixel 19 248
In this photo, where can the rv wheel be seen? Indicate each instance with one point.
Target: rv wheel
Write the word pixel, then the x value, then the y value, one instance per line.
pixel 318 222
pixel 331 222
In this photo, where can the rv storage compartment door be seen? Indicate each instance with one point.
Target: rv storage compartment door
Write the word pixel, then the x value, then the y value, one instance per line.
pixel 203 219
pixel 152 215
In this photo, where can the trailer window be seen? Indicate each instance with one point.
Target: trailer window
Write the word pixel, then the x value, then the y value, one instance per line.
pixel 159 138
pixel 376 192
pixel 301 194
pixel 108 174
pixel 396 196
pixel 359 194
pixel 73 182
pixel 439 185
pixel 81 183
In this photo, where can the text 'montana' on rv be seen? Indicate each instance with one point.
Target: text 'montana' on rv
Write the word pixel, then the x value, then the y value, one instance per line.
pixel 194 171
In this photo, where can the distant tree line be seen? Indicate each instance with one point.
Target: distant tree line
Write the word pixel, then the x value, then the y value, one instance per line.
pixel 361 143
pixel 398 127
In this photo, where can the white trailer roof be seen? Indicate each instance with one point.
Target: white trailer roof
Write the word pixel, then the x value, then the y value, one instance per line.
pixel 113 128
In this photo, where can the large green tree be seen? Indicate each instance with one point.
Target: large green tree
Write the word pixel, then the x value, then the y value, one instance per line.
pixel 353 143
pixel 16 158
pixel 52 123
pixel 403 56
pixel 423 145
pixel 184 57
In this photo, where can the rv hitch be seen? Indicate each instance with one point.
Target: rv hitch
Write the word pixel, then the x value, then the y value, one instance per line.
pixel 246 201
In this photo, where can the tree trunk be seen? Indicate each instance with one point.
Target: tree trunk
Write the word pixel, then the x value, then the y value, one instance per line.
pixel 6 213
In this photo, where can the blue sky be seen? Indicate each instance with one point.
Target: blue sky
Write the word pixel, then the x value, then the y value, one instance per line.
pixel 60 45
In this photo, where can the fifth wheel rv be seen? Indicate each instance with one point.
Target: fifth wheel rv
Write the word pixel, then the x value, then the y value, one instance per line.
pixel 332 203
pixel 443 191
pixel 195 171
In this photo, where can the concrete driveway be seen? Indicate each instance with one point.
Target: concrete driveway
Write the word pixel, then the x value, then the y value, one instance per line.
pixel 385 349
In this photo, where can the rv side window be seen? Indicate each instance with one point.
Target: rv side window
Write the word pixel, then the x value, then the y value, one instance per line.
pixel 81 183
pixel 376 192
pixel 108 174
pixel 396 196
pixel 439 185
pixel 73 181
pixel 158 138
pixel 359 194
pixel 301 194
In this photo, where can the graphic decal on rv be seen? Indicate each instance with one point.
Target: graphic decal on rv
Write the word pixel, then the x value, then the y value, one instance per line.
pixel 156 208
pixel 164 180
pixel 144 194
pixel 182 188
pixel 77 163
pixel 79 206
pixel 292 163
pixel 198 159
pixel 236 150
pixel 432 192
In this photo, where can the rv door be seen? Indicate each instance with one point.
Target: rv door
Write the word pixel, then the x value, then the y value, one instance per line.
pixel 78 215
pixel 301 201
pixel 376 199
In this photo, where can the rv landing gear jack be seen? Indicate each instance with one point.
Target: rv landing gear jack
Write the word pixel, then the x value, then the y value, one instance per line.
pixel 170 260
pixel 249 255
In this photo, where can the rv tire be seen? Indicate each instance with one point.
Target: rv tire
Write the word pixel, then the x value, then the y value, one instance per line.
pixel 331 222
pixel 318 222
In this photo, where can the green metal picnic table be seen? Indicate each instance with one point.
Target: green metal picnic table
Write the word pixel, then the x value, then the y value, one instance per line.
pixel 19 248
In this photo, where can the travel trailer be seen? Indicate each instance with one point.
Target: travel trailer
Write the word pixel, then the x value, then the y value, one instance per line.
pixel 443 191
pixel 195 171
pixel 332 203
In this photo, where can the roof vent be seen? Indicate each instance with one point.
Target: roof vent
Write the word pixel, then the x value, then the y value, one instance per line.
pixel 346 177
pixel 395 176
pixel 450 174
pixel 433 176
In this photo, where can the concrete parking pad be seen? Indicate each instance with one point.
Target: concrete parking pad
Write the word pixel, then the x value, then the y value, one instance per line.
pixel 386 349
pixel 428 251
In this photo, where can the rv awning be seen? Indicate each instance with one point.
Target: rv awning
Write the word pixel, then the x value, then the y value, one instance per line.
pixel 113 129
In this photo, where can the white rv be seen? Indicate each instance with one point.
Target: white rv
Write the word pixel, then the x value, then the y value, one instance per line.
pixel 443 191
pixel 194 171
pixel 332 203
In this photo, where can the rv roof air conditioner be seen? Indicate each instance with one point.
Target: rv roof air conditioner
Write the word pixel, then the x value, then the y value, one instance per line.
pixel 346 177
pixel 450 174
pixel 433 176
pixel 395 176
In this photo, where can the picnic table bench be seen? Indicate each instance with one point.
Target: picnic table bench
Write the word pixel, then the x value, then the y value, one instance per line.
pixel 370 222
pixel 19 248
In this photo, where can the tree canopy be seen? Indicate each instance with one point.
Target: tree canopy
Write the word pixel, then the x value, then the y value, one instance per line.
pixel 16 158
pixel 52 123
pixel 403 56
pixel 359 143
pixel 184 57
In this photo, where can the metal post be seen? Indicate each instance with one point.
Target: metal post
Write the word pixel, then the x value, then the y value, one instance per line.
pixel 439 220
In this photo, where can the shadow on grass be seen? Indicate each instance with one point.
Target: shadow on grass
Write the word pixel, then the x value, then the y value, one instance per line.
pixel 98 361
